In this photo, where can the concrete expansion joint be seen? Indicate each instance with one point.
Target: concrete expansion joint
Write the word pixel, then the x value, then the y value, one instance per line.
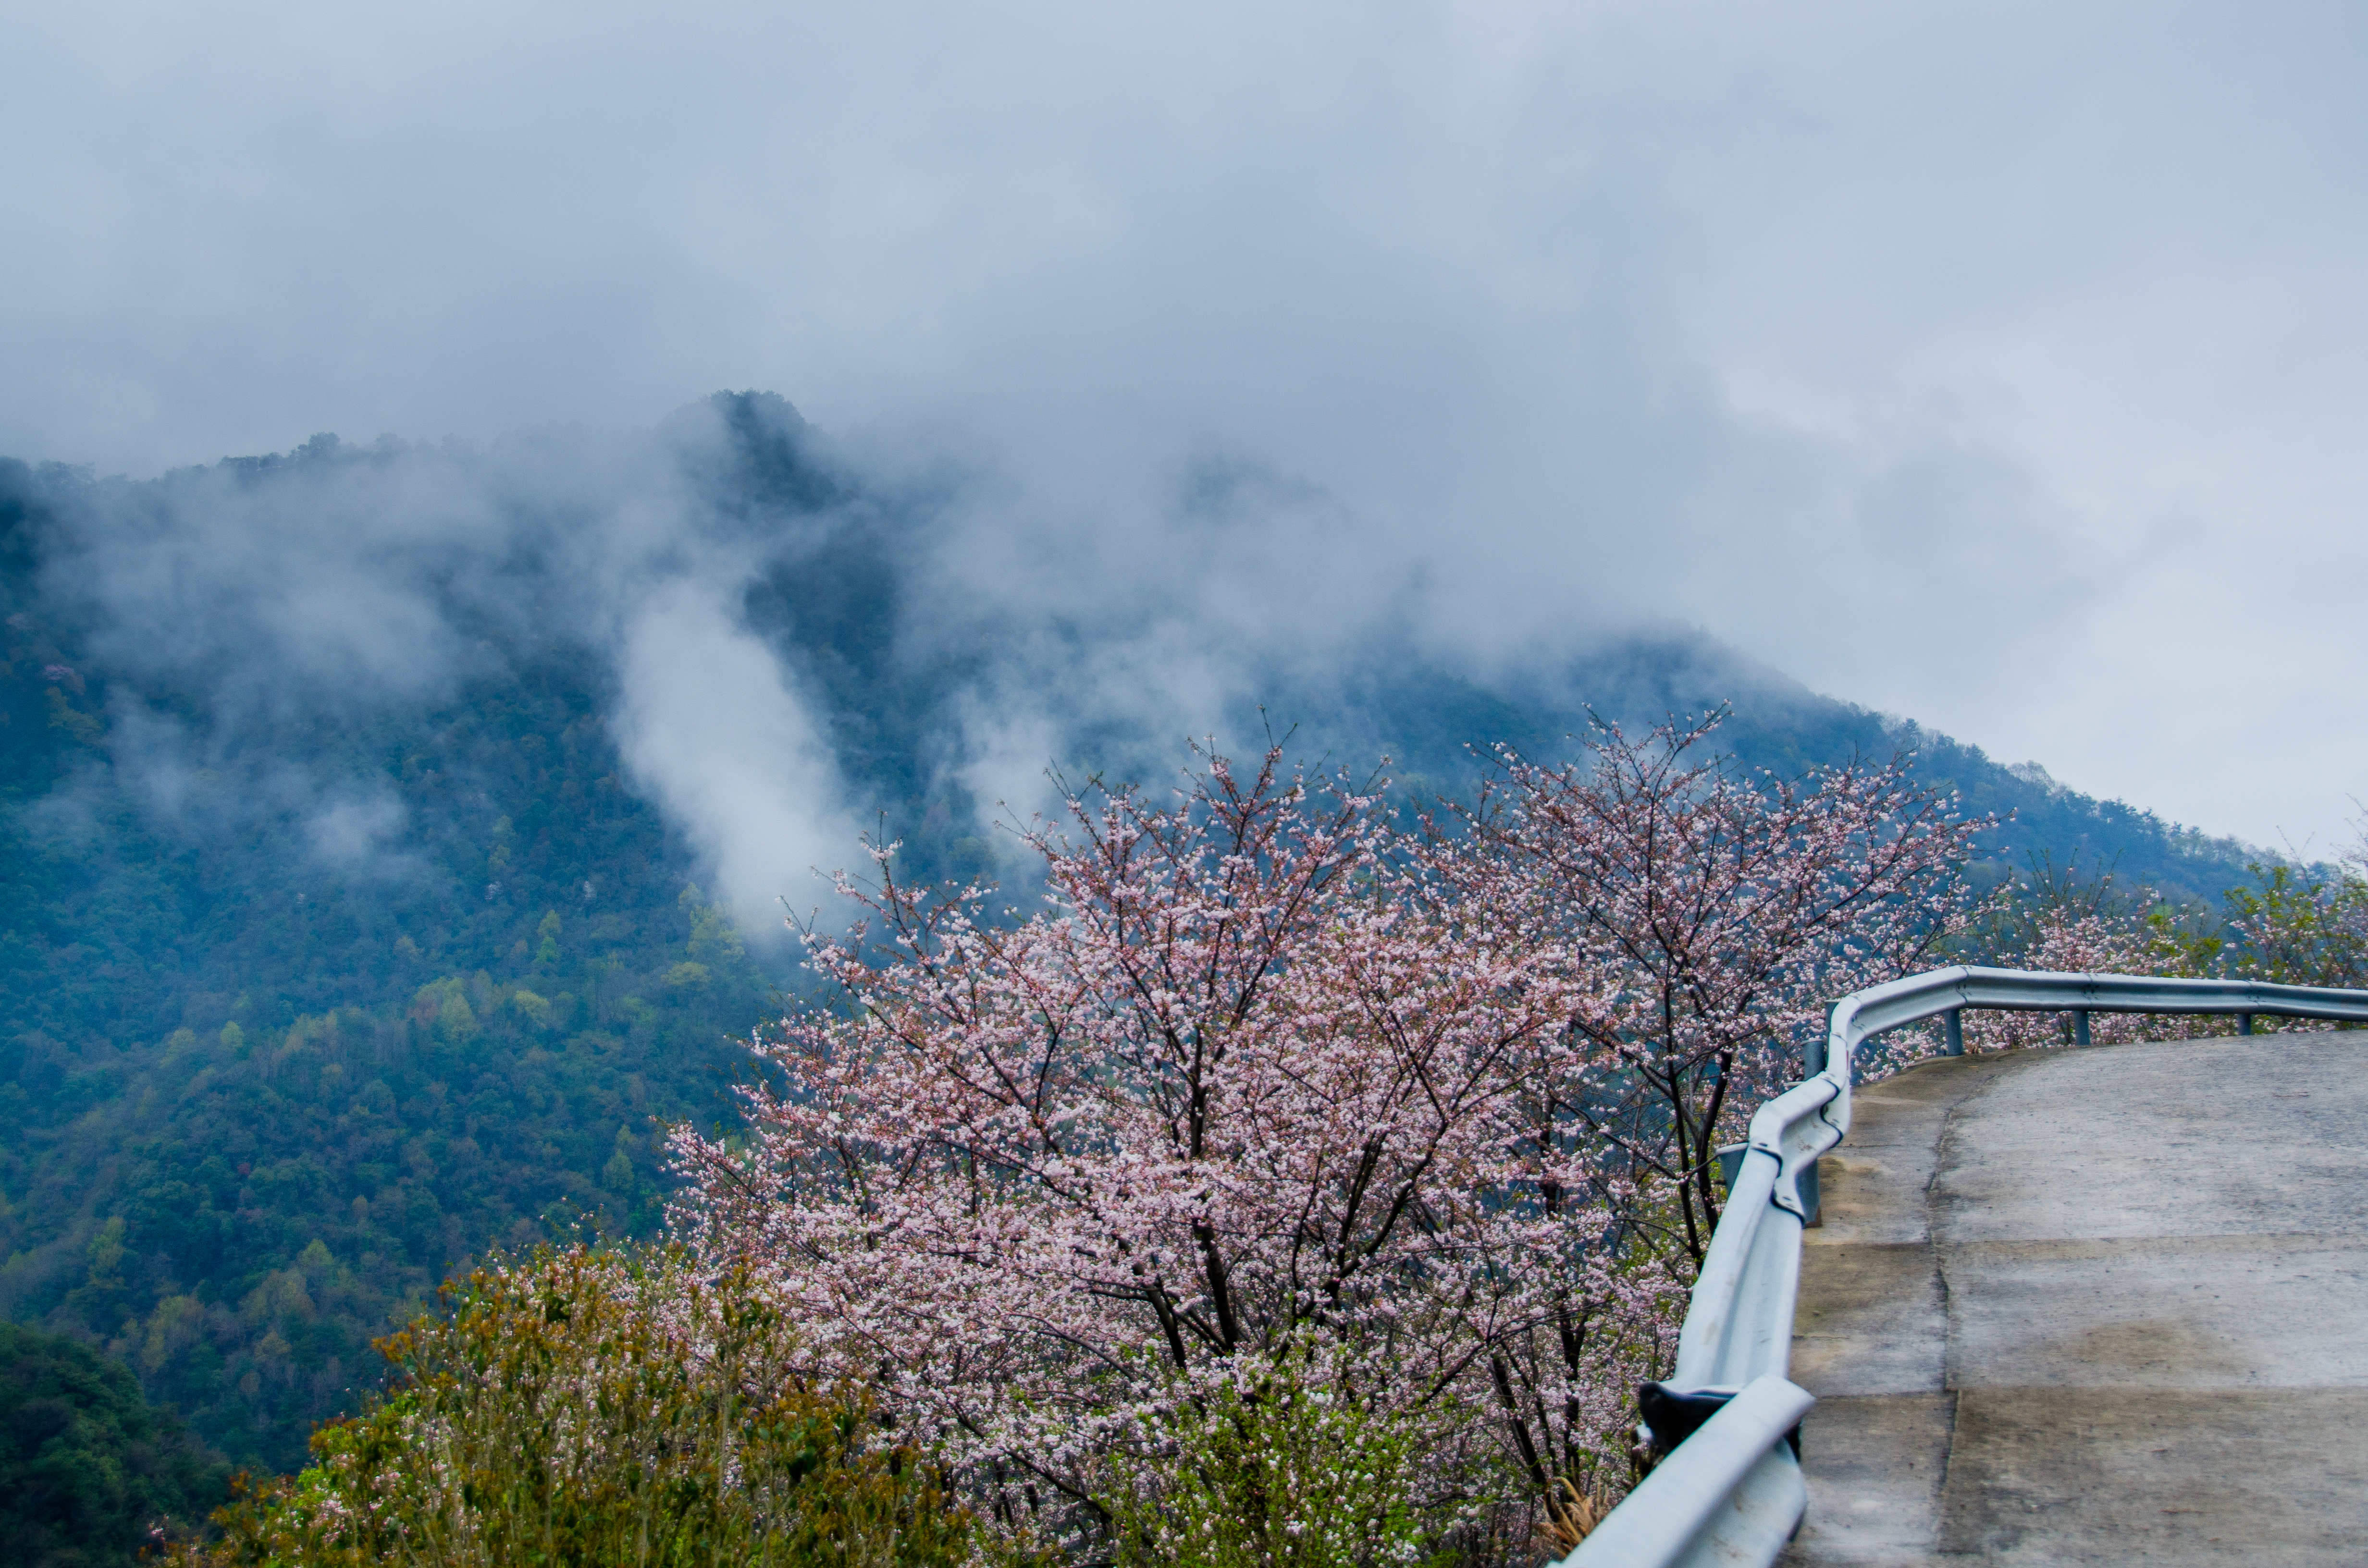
pixel 1932 1227
pixel 1940 1275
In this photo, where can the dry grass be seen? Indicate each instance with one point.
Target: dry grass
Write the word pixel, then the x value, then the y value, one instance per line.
pixel 1572 1514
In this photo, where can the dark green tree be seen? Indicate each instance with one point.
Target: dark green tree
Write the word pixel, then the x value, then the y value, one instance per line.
pixel 89 1469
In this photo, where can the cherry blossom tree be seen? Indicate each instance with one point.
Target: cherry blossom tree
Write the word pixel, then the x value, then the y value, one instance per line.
pixel 1274 1094
pixel 1250 1086
pixel 1706 917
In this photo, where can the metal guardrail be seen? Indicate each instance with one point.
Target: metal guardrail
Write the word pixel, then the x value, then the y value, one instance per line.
pixel 1731 1493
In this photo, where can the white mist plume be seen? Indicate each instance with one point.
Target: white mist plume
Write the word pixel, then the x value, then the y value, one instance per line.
pixel 281 598
pixel 358 831
pixel 709 724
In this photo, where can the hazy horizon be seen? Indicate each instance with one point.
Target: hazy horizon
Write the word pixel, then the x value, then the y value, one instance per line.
pixel 1997 370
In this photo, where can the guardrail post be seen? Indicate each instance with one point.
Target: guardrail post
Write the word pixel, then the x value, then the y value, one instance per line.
pixel 1730 1165
pixel 2080 1028
pixel 2244 1023
pixel 1955 1019
pixel 1812 1052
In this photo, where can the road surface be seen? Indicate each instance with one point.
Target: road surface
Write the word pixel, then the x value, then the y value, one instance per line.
pixel 2106 1305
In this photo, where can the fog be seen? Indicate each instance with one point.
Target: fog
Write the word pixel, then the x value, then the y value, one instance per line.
pixel 1997 367
pixel 711 728
pixel 739 596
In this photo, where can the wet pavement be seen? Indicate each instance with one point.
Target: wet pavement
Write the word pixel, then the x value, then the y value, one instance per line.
pixel 2106 1305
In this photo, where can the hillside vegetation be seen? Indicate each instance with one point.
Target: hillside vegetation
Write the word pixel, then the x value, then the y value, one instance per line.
pixel 87 1468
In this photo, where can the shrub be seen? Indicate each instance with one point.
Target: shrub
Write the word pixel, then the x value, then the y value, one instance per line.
pixel 1267 1463
pixel 593 1408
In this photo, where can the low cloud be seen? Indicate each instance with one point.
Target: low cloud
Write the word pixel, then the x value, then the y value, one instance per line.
pixel 711 728
pixel 1968 363
pixel 359 835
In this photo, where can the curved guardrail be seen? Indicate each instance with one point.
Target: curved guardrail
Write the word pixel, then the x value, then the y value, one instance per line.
pixel 1730 1492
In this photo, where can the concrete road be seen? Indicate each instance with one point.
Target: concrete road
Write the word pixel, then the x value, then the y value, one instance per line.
pixel 2094 1306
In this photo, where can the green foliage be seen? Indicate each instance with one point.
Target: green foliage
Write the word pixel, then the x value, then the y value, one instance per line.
pixel 1273 1463
pixel 2184 939
pixel 87 1468
pixel 2301 925
pixel 589 1410
pixel 2291 925
pixel 219 1048
pixel 227 1054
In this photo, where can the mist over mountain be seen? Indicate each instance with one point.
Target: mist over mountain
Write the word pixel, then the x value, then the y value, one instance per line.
pixel 393 832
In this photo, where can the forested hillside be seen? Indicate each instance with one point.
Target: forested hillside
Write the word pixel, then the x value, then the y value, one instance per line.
pixel 350 925
pixel 87 1468
pixel 254 1110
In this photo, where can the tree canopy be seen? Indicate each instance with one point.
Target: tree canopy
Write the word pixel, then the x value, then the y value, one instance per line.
pixel 89 1469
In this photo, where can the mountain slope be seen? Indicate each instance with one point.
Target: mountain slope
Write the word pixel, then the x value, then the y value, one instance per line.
pixel 356 807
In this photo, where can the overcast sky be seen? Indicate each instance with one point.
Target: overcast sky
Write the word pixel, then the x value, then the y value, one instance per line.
pixel 2001 366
